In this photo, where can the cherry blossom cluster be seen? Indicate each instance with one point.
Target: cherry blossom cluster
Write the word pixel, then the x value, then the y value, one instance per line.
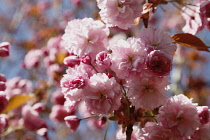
pixel 178 119
pixel 49 59
pixel 101 73
pixel 197 16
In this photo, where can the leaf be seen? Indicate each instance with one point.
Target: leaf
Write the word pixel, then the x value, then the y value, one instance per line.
pixel 60 57
pixel 17 101
pixel 189 40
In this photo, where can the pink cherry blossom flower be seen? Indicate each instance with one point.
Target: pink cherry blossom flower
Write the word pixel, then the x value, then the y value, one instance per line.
pixel 72 122
pixel 73 82
pixel 103 61
pixel 202 133
pixel 38 107
pixel 127 57
pixel 31 119
pixel 3 122
pixel 85 36
pixel 102 94
pixel 71 61
pixel 59 112
pixel 58 97
pixel 16 86
pixel 156 39
pixel 92 123
pixel 121 13
pixel 32 59
pixel 4 49
pixel 192 18
pixel 204 114
pixel 147 91
pixel 180 115
pixel 158 63
pixel 154 131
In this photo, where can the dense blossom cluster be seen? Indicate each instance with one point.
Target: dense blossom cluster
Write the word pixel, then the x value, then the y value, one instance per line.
pixel 139 64
pixel 100 75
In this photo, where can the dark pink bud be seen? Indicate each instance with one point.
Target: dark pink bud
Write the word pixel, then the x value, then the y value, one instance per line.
pixel 3 102
pixel 2 86
pixel 31 119
pixel 58 98
pixel 38 107
pixel 72 122
pixel 86 59
pixel 102 121
pixel 71 61
pixel 2 78
pixel 204 115
pixel 76 2
pixel 205 9
pixel 3 122
pixel 158 63
pixel 103 60
pixel 59 112
pixel 109 75
pixel 4 49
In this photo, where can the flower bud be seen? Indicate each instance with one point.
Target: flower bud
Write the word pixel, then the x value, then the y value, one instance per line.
pixel 3 101
pixel 4 49
pixel 86 59
pixel 102 120
pixel 71 61
pixel 72 122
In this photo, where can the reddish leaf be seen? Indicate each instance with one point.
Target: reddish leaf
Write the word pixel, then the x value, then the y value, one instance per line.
pixel 189 40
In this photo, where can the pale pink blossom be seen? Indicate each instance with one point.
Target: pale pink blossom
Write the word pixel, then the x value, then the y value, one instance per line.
pixel 31 119
pixel 147 91
pixel 16 86
pixel 72 122
pixel 156 39
pixel 158 63
pixel 127 57
pixel 102 94
pixel 85 36
pixel 154 131
pixel 58 113
pixel 38 107
pixel 121 13
pixel 202 133
pixel 73 83
pixel 32 59
pixel 93 122
pixel 4 49
pixel 203 114
pixel 180 115
pixel 71 61
pixel 103 61
pixel 58 97
pixel 193 20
